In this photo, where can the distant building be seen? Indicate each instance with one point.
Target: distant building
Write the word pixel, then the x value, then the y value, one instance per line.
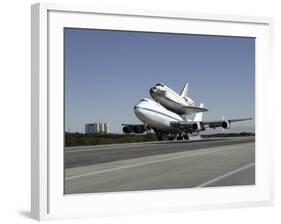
pixel 86 128
pixel 106 128
pixel 94 128
pixel 89 128
pixel 100 128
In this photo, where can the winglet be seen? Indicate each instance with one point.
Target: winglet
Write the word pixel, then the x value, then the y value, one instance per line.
pixel 184 90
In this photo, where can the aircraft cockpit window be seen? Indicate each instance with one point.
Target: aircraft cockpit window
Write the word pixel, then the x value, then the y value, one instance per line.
pixel 159 84
pixel 143 100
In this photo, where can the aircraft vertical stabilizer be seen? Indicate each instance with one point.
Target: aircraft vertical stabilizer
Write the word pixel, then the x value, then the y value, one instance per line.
pixel 184 90
pixel 199 116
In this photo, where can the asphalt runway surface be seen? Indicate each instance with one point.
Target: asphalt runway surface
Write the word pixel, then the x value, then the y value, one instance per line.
pixel 160 165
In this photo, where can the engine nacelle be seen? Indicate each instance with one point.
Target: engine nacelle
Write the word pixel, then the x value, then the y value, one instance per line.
pixel 196 126
pixel 139 130
pixel 127 129
pixel 225 125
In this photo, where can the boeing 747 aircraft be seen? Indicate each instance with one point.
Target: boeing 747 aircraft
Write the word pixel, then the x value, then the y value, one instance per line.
pixel 162 121
pixel 180 104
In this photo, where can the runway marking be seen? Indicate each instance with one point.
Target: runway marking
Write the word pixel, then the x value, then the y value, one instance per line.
pixel 145 163
pixel 226 175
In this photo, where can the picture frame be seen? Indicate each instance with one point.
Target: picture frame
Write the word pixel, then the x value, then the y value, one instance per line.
pixel 48 200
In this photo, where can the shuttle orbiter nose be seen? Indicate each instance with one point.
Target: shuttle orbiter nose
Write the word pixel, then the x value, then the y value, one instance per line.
pixel 156 91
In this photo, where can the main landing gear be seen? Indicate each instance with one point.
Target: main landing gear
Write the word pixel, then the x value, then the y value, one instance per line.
pixel 159 136
pixel 173 136
pixel 182 136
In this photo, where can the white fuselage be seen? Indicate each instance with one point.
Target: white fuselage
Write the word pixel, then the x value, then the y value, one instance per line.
pixel 170 99
pixel 153 114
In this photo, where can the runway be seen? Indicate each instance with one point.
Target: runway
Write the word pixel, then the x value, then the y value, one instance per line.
pixel 160 165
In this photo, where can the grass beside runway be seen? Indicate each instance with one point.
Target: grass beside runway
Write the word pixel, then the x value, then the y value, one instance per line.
pixel 80 139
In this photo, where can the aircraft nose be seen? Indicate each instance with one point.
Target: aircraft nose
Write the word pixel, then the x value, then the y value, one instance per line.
pixel 136 108
pixel 152 90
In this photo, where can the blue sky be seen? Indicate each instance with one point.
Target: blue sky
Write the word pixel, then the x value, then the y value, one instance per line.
pixel 108 72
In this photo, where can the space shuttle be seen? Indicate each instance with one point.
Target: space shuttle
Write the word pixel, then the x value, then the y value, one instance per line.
pixel 178 103
pixel 165 114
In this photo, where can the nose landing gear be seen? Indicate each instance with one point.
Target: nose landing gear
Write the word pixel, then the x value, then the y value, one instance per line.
pixel 159 136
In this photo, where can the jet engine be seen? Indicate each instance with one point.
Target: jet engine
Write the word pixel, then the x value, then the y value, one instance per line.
pixel 196 126
pixel 127 129
pixel 225 125
pixel 139 130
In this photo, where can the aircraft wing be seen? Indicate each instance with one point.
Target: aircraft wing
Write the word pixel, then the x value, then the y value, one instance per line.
pixel 132 124
pixel 222 123
pixel 201 125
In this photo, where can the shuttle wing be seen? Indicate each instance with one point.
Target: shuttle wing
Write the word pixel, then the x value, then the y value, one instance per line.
pixel 193 110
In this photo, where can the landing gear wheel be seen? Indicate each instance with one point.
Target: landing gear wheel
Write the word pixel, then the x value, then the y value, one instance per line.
pixel 159 137
pixel 179 137
pixel 171 137
pixel 185 137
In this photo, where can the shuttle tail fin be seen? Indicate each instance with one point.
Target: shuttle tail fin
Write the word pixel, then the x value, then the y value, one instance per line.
pixel 184 90
pixel 199 116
